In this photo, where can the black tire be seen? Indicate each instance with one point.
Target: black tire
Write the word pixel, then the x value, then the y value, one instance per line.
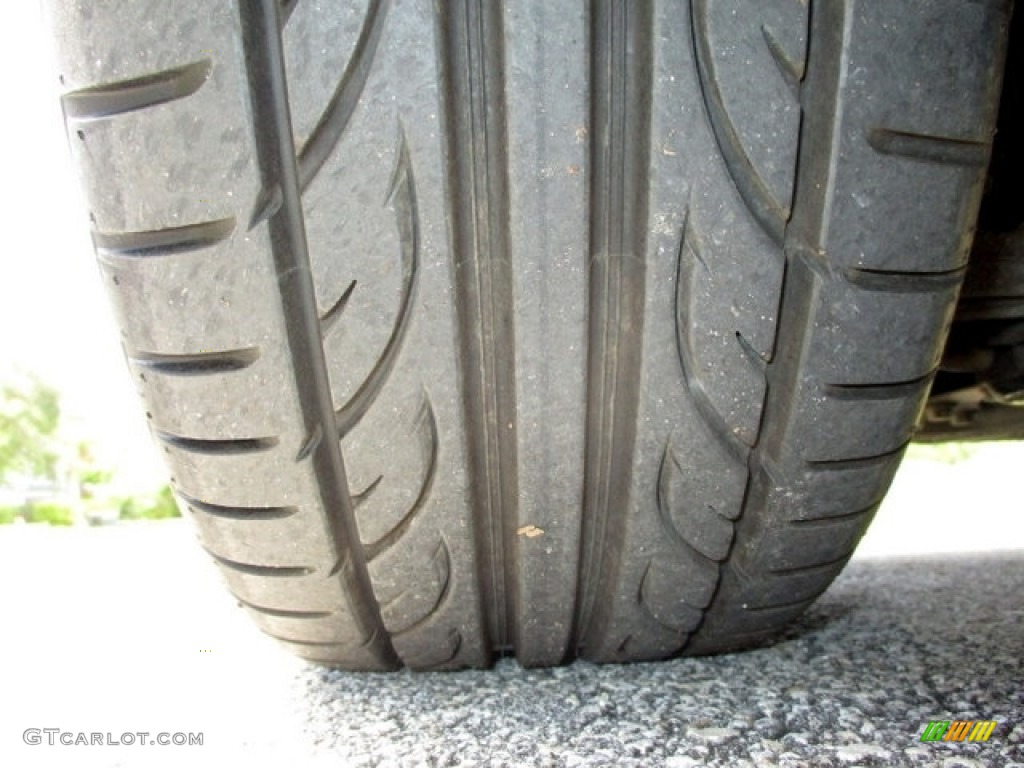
pixel 569 330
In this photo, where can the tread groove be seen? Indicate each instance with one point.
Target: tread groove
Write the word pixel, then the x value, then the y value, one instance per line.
pixel 403 193
pixel 829 520
pixel 282 613
pixel 888 390
pixel 310 444
pixel 330 317
pixel 801 238
pixel 800 569
pixel 767 211
pixel 443 563
pixel 858 462
pixel 710 415
pixel 792 71
pixel 342 564
pixel 163 242
pixel 676 535
pixel 217 446
pixel 268 203
pixel 787 606
pixel 310 643
pixel 681 630
pixel 278 167
pixel 893 281
pixel 254 569
pixel 473 97
pixel 755 358
pixel 197 364
pixel 236 513
pixel 118 98
pixel 287 9
pixel 430 444
pixel 947 150
pixel 621 64
pixel 335 118
pixel 366 493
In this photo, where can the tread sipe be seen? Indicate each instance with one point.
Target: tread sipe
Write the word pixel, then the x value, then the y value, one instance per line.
pixel 471 329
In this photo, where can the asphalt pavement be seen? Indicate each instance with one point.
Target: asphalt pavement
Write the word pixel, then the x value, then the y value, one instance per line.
pixel 126 629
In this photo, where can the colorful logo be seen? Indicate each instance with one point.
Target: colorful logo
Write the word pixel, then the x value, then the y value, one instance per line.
pixel 958 730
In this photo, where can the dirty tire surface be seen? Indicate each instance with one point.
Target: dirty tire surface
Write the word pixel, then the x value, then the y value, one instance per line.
pixel 470 330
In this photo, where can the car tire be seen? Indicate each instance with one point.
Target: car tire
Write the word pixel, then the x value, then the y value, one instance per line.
pixel 471 329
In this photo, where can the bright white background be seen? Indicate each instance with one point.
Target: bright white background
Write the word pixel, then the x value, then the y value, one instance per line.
pixel 54 318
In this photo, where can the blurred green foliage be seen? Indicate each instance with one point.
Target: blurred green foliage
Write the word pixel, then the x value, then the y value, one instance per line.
pixel 50 512
pixel 156 506
pixel 29 415
pixel 160 506
pixel 31 449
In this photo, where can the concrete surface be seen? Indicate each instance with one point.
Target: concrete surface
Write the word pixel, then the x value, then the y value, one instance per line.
pixel 127 629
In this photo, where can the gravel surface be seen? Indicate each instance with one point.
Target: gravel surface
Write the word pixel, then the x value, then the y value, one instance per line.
pixel 126 629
